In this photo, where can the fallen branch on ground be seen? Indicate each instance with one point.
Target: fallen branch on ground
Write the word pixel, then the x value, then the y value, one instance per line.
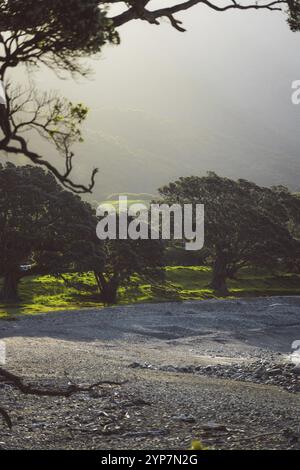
pixel 11 379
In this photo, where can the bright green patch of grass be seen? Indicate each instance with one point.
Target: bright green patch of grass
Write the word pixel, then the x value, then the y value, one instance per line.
pixel 130 202
pixel 47 293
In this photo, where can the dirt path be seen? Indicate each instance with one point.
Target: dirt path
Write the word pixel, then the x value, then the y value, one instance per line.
pixel 155 408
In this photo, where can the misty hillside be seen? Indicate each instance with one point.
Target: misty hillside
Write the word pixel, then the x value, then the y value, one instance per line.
pixel 138 152
pixel 147 152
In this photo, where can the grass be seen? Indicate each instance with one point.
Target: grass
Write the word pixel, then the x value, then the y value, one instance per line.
pixel 47 293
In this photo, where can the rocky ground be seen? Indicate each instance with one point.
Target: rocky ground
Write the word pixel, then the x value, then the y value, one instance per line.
pixel 221 371
pixel 283 374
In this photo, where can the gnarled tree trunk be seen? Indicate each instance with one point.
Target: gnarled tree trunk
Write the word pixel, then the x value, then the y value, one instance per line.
pixel 218 283
pixel 109 293
pixel 9 291
pixel 108 288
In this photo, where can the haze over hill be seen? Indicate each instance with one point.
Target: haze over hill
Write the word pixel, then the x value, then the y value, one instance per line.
pixel 165 104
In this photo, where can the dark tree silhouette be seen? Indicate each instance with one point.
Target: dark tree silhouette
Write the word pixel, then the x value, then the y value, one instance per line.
pixel 141 10
pixel 244 224
pixel 58 34
pixel 44 226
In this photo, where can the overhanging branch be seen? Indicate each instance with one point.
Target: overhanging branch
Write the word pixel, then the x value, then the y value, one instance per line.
pixel 139 11
pixel 55 119
pixel 62 177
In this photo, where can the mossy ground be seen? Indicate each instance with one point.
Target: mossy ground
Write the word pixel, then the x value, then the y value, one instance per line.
pixel 47 293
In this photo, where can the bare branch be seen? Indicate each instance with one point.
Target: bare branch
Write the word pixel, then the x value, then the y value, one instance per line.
pixel 28 389
pixel 55 119
pixel 137 10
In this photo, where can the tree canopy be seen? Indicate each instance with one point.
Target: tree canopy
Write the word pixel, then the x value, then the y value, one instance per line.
pixel 244 224
pixel 59 33
pixel 53 32
pixel 43 225
pixel 45 229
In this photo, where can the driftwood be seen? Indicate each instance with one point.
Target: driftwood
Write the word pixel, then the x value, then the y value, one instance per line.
pixel 14 380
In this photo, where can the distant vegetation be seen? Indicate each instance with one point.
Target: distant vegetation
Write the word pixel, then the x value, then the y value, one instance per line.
pixel 132 196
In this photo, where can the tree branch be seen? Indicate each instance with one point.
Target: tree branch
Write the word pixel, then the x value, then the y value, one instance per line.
pixel 137 10
pixel 11 379
pixel 55 119
pixel 62 177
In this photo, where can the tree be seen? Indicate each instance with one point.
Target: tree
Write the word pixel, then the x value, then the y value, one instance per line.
pixel 43 225
pixel 52 32
pixel 125 258
pixel 59 34
pixel 55 120
pixel 244 223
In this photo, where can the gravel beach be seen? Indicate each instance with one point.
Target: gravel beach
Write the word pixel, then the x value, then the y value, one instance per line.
pixel 220 371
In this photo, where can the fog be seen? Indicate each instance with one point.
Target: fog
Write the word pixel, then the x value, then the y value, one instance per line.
pixel 165 104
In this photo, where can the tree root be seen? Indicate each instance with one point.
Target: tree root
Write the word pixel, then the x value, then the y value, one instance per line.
pixel 28 389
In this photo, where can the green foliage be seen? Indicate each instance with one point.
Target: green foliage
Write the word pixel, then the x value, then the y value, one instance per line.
pixel 294 15
pixel 43 294
pixel 63 124
pixel 244 224
pixel 44 225
pixel 55 32
pixel 58 34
